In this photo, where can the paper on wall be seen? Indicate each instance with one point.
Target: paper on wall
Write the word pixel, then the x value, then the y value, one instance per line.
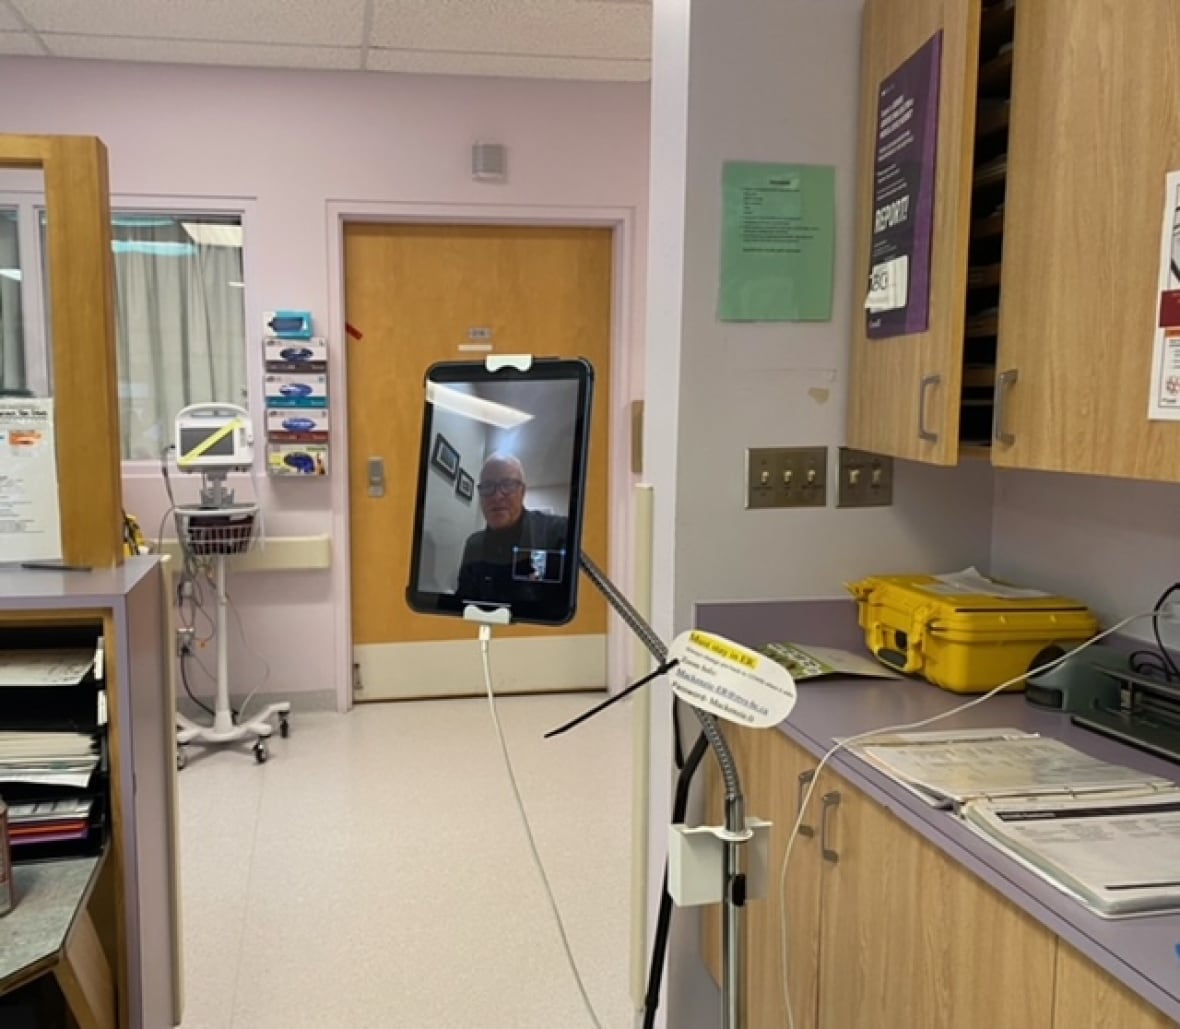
pixel 1164 401
pixel 30 511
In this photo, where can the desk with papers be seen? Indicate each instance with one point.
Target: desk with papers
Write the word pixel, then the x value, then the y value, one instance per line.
pixel 1140 953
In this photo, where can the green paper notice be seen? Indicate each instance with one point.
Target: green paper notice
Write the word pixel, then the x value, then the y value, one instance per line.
pixel 777 243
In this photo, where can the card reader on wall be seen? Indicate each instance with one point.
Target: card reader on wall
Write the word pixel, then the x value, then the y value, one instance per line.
pixel 1082 682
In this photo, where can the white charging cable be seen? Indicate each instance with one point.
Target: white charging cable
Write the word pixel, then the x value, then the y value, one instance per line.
pixel 903 727
pixel 485 635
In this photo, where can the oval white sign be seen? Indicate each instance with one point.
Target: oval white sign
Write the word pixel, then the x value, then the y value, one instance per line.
pixel 729 680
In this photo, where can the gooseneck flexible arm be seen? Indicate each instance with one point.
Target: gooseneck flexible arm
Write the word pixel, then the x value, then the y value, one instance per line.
pixel 733 985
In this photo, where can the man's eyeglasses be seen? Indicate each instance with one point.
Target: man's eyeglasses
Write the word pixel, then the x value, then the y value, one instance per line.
pixel 505 487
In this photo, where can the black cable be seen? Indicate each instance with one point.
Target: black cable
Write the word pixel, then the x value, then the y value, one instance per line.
pixel 1149 662
pixel 1167 659
pixel 677 740
pixel 188 689
pixel 659 950
pixel 666 667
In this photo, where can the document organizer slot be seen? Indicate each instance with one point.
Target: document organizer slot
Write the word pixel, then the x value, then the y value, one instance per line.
pixel 53 741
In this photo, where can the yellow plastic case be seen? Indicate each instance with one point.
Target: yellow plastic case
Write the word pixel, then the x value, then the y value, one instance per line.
pixel 966 642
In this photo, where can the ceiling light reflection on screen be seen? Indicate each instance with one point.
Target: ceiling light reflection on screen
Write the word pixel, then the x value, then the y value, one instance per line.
pixel 500 415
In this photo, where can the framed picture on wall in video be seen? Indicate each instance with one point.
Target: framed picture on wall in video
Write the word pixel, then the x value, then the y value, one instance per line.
pixel 445 457
pixel 465 485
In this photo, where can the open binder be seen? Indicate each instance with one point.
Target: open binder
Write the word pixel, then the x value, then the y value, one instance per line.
pixel 54 762
pixel 1107 835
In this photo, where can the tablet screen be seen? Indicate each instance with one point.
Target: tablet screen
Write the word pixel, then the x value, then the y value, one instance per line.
pixel 501 480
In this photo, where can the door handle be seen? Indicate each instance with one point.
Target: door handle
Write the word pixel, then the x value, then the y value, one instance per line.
pixel 924 387
pixel 1003 381
pixel 376 476
pixel 831 801
pixel 804 779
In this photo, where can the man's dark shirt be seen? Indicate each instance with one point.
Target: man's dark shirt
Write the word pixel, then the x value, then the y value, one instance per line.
pixel 485 573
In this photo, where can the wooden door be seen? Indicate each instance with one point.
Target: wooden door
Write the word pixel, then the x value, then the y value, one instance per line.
pixel 911 938
pixel 770 767
pixel 905 392
pixel 413 295
pixel 1095 126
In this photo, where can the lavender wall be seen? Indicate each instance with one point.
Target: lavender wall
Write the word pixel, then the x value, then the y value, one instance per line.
pixel 1112 543
pixel 774 81
pixel 288 143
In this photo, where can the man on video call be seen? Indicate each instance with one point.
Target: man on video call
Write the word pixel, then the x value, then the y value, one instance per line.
pixel 513 532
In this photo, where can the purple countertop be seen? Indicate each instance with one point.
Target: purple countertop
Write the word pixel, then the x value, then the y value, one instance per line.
pixel 49 588
pixel 1140 952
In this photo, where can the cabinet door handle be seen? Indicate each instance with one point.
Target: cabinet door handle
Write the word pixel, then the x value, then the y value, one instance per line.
pixel 804 779
pixel 831 801
pixel 928 382
pixel 1003 381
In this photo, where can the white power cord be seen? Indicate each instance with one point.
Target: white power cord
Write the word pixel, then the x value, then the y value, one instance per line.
pixel 485 635
pixel 903 727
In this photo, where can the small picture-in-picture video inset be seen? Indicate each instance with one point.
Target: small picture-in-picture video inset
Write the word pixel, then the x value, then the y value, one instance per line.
pixel 501 488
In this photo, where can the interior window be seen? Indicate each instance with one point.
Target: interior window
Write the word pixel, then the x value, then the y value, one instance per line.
pixel 12 334
pixel 180 319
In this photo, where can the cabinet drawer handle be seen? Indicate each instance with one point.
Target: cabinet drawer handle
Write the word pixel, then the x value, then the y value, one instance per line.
pixel 924 387
pixel 1003 381
pixel 831 801
pixel 804 779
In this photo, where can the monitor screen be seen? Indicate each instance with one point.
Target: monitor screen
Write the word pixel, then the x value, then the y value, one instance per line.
pixel 191 438
pixel 501 480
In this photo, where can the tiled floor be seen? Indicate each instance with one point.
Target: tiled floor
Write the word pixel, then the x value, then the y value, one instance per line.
pixel 374 872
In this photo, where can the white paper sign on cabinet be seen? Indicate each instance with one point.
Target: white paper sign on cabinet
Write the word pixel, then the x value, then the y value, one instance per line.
pixel 1165 365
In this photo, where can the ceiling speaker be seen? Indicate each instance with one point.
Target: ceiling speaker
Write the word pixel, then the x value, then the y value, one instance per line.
pixel 489 162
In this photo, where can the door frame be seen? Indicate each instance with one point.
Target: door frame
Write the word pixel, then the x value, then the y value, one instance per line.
pixel 621 221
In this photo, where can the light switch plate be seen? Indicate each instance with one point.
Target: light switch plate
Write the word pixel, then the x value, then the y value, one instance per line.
pixel 786 477
pixel 865 480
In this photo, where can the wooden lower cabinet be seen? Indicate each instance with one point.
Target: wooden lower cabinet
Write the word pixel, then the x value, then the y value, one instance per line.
pixel 1089 999
pixel 884 931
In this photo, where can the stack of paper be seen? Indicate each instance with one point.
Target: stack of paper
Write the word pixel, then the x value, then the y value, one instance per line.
pixel 45 667
pixel 948 768
pixel 51 821
pixel 1106 834
pixel 1118 854
pixel 52 727
pixel 48 758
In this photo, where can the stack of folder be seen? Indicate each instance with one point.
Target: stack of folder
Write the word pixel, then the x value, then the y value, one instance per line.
pixel 1105 834
pixel 53 759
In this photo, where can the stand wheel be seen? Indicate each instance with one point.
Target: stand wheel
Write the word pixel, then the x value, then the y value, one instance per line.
pixel 260 752
pixel 181 758
pixel 284 726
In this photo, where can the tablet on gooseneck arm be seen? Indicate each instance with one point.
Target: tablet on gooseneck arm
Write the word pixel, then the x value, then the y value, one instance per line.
pixel 501 488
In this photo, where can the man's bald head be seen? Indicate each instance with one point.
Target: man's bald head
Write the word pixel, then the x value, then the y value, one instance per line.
pixel 501 490
pixel 499 465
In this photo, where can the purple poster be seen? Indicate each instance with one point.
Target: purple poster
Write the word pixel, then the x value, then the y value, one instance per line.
pixel 903 196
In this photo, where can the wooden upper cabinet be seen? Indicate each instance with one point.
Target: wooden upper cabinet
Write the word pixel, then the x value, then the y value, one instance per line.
pixel 1095 127
pixel 904 396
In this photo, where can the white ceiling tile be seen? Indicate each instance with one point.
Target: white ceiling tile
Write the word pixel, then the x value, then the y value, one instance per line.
pixel 429 62
pixel 322 22
pixel 541 28
pixel 19 44
pixel 113 48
